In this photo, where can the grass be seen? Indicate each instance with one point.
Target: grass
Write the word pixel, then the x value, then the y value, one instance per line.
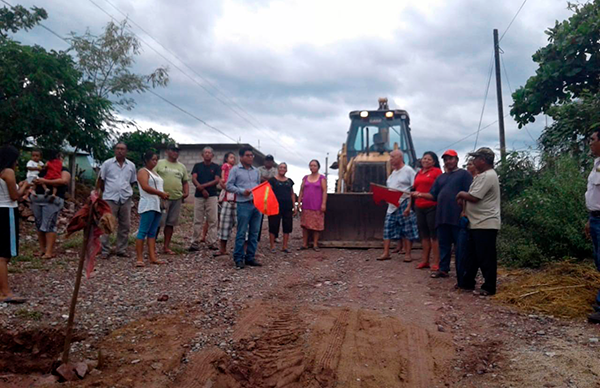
pixel 564 289
pixel 29 314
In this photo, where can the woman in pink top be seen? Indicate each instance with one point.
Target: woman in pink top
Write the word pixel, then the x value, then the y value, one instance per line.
pixel 312 201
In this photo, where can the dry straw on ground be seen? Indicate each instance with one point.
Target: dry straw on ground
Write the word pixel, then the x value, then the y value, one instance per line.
pixel 566 289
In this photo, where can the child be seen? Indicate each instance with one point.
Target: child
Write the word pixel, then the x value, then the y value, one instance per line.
pixel 53 171
pixel 34 166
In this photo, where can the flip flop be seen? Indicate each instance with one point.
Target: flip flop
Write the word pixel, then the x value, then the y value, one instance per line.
pixel 158 262
pixel 14 300
pixel 407 260
pixel 44 257
pixel 168 252
pixel 140 264
pixel 384 258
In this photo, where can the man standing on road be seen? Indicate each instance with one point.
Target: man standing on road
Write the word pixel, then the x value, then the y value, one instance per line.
pixel 592 202
pixel 242 179
pixel 205 177
pixel 400 223
pixel 447 216
pixel 176 179
pixel 115 179
pixel 482 208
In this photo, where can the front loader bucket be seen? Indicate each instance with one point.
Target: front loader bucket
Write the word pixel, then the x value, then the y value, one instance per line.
pixel 353 220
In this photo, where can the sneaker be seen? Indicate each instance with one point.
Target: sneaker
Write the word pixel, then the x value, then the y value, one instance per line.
pixel 594 317
pixel 193 248
pixel 239 265
pixel 253 263
pixel 439 274
pixel 482 292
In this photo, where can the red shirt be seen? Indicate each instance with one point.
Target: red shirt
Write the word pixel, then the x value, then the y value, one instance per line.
pixel 423 183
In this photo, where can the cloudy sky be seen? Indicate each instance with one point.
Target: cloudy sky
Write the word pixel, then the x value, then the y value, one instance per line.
pixel 288 72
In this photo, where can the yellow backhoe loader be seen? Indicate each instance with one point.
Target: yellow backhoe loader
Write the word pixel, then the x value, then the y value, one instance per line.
pixel 352 219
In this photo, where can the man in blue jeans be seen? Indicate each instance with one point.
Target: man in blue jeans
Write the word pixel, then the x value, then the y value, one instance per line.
pixel 242 179
pixel 447 215
pixel 592 202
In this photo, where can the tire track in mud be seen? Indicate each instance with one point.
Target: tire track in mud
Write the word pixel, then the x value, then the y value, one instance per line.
pixel 323 347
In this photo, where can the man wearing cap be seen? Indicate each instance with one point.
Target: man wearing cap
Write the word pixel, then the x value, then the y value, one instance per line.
pixel 176 179
pixel 482 208
pixel 592 202
pixel 448 212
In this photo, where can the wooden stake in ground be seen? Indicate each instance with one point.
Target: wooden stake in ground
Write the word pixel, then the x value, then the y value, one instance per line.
pixel 87 231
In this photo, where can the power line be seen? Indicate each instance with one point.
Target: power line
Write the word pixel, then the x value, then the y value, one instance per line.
pixel 487 90
pixel 42 25
pixel 151 91
pixel 192 115
pixel 512 21
pixel 129 19
pixel 472 134
pixel 192 78
pixel 511 92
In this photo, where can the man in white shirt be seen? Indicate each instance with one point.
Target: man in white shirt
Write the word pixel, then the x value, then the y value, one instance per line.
pixel 482 207
pixel 592 202
pixel 400 223
pixel 115 179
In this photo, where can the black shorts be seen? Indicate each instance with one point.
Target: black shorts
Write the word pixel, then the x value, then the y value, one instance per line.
pixel 284 217
pixel 9 232
pixel 426 222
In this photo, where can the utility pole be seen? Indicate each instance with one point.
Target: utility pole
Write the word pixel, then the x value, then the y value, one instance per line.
pixel 499 98
pixel 326 167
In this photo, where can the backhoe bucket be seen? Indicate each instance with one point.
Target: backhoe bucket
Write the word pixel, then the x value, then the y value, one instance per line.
pixel 353 220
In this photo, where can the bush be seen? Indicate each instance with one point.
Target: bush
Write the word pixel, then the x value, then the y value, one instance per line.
pixel 545 221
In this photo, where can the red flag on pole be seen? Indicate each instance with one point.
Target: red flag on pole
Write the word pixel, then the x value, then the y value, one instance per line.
pixel 265 200
pixel 385 194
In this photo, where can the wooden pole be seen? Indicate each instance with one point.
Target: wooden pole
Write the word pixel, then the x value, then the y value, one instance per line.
pixel 499 97
pixel 86 236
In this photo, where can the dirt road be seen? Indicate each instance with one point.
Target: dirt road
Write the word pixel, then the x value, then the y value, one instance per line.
pixel 335 318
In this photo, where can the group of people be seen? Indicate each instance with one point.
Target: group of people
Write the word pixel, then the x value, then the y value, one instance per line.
pixel 455 210
pixel 222 200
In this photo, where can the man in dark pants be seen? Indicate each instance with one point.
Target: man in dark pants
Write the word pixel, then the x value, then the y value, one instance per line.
pixel 242 179
pixel 447 216
pixel 592 202
pixel 482 208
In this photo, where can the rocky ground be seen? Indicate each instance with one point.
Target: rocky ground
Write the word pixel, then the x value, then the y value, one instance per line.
pixel 335 318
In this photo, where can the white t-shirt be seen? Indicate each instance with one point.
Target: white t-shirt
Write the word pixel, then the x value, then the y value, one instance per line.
pixel 402 180
pixel 484 214
pixel 592 195
pixel 32 174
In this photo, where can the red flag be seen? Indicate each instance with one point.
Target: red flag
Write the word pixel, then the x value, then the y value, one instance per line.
pixel 383 193
pixel 265 200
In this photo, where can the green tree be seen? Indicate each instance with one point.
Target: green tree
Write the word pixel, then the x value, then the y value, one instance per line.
pixel 138 142
pixel 106 62
pixel 567 82
pixel 16 18
pixel 43 98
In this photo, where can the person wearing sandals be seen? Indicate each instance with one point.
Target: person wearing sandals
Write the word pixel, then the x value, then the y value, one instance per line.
pixel 149 208
pixel 283 188
pixel 312 202
pixel 228 214
pixel 425 210
pixel 400 223
pixel 46 211
pixel 448 214
pixel 10 193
